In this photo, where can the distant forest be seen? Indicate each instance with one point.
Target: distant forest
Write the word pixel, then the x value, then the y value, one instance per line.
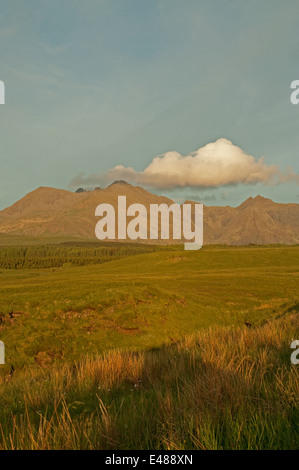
pixel 48 256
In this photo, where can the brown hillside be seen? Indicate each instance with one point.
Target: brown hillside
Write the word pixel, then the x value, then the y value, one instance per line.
pixel 56 212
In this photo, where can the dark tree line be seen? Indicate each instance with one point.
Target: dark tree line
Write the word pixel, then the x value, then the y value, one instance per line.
pixel 57 256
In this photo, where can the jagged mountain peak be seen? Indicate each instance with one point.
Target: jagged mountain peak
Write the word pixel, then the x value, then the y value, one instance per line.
pixel 52 212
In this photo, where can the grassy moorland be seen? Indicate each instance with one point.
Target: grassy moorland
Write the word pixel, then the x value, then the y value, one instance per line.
pixel 221 388
pixel 151 351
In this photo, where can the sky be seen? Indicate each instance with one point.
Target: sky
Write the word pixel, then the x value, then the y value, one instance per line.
pixel 190 99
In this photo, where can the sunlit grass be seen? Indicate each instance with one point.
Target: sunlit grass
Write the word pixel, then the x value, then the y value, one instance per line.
pixel 151 352
pixel 222 388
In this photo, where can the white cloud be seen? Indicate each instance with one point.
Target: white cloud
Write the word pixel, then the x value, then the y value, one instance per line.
pixel 216 164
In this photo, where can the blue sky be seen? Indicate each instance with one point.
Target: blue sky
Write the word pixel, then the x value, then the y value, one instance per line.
pixel 97 83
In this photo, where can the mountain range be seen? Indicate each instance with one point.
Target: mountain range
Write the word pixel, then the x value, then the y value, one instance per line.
pixel 57 212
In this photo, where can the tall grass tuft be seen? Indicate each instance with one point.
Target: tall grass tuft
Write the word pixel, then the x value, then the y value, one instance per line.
pixel 223 388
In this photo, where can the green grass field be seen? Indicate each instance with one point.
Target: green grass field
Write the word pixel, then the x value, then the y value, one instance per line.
pixel 176 319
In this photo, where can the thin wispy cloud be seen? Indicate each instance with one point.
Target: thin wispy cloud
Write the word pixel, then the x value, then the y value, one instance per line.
pixel 53 50
pixel 8 31
pixel 219 163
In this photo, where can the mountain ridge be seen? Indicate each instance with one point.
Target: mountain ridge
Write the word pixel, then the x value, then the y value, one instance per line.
pixel 52 211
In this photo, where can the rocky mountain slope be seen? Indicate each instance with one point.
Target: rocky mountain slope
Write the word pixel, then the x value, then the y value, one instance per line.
pixel 56 212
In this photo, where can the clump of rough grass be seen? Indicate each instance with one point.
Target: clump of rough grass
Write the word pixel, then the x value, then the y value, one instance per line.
pixel 222 388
